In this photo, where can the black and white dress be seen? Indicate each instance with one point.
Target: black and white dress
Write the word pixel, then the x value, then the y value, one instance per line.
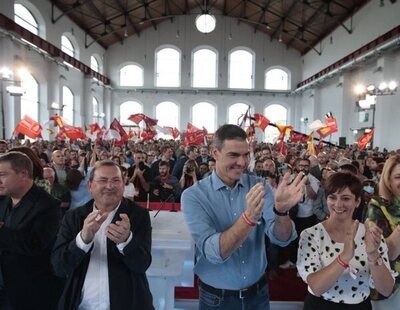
pixel 317 250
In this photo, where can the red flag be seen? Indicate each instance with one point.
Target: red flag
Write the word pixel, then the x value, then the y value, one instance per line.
pixel 194 135
pixel 57 121
pixel 118 128
pixel 364 140
pixel 137 118
pixel 173 131
pixel 330 128
pixel 148 134
pixel 29 127
pixel 73 132
pixel 298 137
pixel 93 128
pixel 260 121
pixel 282 147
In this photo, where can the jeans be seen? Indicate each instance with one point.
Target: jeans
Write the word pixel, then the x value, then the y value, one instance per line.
pixel 259 301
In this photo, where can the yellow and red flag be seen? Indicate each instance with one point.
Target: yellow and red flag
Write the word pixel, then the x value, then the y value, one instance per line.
pixel 310 144
pixel 330 128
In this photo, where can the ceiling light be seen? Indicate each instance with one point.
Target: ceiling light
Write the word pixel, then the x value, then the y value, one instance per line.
pixel 359 89
pixel 205 23
pixel 392 85
pixel 382 86
pixel 371 87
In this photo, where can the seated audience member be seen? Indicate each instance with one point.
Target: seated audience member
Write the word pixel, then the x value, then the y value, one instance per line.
pixel 189 175
pixel 30 218
pixel 140 176
pixel 340 258
pixel 129 190
pixel 77 184
pixel 61 192
pixel 165 187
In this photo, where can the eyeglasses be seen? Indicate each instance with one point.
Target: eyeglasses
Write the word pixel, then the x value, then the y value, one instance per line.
pixel 105 181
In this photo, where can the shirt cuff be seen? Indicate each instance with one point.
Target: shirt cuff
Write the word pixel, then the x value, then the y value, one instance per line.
pixel 212 249
pixel 276 241
pixel 82 245
pixel 121 246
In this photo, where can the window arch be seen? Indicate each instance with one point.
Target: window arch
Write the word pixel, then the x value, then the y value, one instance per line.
pixel 241 69
pixel 69 45
pixel 94 63
pixel 30 99
pixel 68 105
pixel 131 75
pixel 167 113
pixel 204 58
pixel 128 108
pixel 236 112
pixel 168 67
pixel 203 115
pixel 277 79
pixel 278 115
pixel 24 18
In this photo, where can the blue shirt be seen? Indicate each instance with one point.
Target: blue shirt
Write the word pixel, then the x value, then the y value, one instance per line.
pixel 210 208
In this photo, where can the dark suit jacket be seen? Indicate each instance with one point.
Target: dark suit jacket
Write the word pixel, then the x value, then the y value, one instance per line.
pixel 316 172
pixel 128 284
pixel 25 247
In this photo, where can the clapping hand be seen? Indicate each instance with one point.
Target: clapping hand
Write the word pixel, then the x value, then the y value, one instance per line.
pixel 349 245
pixel 255 202
pixel 373 235
pixel 119 232
pixel 92 224
pixel 288 194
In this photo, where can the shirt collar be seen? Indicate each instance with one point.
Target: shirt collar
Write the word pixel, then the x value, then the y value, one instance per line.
pixel 217 183
pixel 112 213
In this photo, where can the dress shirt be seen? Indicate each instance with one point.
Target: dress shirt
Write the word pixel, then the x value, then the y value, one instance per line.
pixel 210 207
pixel 95 290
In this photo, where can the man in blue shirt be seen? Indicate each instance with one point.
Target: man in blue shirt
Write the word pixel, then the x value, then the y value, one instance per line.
pixel 228 215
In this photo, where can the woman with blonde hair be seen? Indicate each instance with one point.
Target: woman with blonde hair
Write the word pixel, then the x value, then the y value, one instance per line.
pixel 385 212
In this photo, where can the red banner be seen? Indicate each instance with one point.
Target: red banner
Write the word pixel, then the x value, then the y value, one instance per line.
pixel 364 140
pixel 194 135
pixel 29 127
pixel 118 128
pixel 260 121
pixel 73 132
pixel 329 129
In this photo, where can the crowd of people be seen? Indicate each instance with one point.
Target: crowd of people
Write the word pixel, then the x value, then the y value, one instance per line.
pixel 336 212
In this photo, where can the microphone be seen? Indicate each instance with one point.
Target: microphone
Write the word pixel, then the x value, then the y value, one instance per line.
pixel 162 204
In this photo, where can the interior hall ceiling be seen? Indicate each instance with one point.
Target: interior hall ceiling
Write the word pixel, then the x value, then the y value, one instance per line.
pixel 299 24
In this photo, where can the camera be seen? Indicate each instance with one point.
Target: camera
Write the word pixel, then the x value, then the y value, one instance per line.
pixel 142 165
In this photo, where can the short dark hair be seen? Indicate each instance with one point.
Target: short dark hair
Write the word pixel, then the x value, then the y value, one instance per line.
pixel 19 162
pixel 103 163
pixel 340 180
pixel 228 132
pixel 350 168
pixel 163 163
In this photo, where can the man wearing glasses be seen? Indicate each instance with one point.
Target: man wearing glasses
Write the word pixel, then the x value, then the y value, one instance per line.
pixel 104 248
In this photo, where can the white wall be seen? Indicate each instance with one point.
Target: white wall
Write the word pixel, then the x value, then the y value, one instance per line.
pixel 369 23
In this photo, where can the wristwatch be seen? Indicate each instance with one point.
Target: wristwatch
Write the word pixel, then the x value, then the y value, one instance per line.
pixel 376 262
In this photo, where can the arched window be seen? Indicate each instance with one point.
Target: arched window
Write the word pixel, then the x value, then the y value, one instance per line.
pixel 236 113
pixel 128 108
pixel 94 64
pixel 167 113
pixel 67 47
pixel 131 75
pixel 277 79
pixel 30 100
pixel 203 115
pixel 204 58
pixel 68 105
pixel 168 67
pixel 24 18
pixel 241 67
pixel 278 115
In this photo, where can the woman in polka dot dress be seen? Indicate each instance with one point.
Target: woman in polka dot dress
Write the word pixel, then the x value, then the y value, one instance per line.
pixel 341 259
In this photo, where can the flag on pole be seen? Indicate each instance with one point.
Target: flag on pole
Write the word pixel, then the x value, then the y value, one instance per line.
pixel 29 127
pixel 365 139
pixel 260 121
